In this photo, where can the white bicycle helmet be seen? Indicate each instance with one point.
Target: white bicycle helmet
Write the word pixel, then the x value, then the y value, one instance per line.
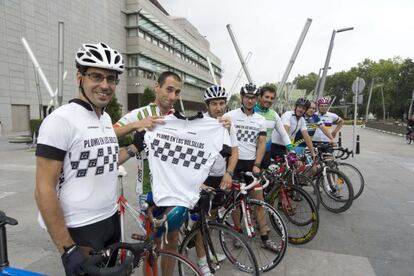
pixel 100 56
pixel 249 88
pixel 215 92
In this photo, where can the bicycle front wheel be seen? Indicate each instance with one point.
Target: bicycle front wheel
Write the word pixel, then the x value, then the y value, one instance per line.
pixel 182 264
pixel 354 175
pixel 276 232
pixel 298 211
pixel 222 238
pixel 336 193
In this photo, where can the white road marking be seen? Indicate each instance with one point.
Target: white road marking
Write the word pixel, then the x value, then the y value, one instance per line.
pixel 5 194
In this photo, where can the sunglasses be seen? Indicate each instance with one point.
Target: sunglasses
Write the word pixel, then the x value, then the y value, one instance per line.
pixel 98 78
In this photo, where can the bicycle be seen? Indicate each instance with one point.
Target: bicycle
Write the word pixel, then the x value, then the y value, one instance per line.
pixel 5 268
pixel 239 204
pixel 213 234
pixel 152 227
pixel 409 137
pixel 352 172
pixel 335 190
pixel 296 205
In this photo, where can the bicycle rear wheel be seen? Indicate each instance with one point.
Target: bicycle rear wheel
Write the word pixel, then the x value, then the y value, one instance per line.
pixel 222 237
pixel 336 192
pixel 298 211
pixel 308 186
pixel 277 233
pixel 182 265
pixel 408 139
pixel 354 175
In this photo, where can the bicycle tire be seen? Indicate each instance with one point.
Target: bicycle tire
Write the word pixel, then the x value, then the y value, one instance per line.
pixel 299 231
pixel 308 186
pixel 408 139
pixel 339 182
pixel 222 230
pixel 279 234
pixel 183 266
pixel 354 175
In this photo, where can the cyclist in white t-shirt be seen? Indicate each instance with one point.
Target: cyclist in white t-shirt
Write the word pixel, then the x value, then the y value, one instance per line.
pixel 329 119
pixel 221 173
pixel 77 159
pixel 251 136
pixel 293 122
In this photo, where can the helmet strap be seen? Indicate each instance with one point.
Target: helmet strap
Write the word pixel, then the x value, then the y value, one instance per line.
pixel 86 97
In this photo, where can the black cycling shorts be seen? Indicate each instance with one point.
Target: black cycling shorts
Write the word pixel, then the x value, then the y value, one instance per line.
pixel 278 151
pixel 99 234
pixel 244 166
pixel 214 182
pixel 324 147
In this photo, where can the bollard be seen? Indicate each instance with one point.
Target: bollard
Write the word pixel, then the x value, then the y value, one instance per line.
pixel 340 140
pixel 357 145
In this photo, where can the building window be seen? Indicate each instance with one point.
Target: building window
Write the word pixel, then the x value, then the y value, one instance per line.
pixel 132 20
pixel 132 32
pixel 141 34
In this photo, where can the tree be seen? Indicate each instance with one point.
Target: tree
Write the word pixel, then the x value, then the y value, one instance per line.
pixel 234 101
pixel 307 82
pixel 114 109
pixel 148 96
pixel 404 87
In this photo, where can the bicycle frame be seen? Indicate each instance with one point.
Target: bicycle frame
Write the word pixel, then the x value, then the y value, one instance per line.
pixel 5 269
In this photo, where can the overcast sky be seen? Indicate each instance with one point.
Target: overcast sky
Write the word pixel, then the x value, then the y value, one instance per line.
pixel 270 29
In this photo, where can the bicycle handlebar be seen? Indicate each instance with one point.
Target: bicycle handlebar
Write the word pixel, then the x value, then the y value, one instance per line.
pixel 4 220
pixel 343 151
pixel 92 265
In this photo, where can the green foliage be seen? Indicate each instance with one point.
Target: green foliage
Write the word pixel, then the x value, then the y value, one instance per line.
pixel 114 109
pixel 392 77
pixel 148 96
pixel 307 82
pixel 34 126
pixel 234 101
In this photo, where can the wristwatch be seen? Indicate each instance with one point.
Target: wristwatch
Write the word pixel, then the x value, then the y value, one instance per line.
pixel 130 152
pixel 257 165
pixel 230 173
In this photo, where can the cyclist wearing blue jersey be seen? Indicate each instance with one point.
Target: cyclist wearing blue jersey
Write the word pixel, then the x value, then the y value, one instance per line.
pixel 313 122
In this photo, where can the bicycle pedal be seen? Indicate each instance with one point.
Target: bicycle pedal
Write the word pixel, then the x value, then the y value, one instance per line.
pixel 137 237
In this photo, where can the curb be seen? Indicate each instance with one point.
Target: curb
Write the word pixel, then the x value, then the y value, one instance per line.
pixel 384 131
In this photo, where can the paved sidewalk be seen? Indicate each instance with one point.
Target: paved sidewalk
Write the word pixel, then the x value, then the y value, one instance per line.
pixel 374 237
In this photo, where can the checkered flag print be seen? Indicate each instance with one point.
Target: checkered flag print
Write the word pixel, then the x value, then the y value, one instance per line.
pixel 97 162
pixel 245 135
pixel 178 155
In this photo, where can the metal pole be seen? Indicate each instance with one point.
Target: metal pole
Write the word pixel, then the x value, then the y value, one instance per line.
pixel 60 61
pixel 332 102
pixel 315 91
pixel 211 70
pixel 239 75
pixel 355 116
pixel 411 106
pixel 243 63
pixel 383 103
pixel 369 100
pixel 39 93
pixel 37 66
pixel 325 68
pixel 328 58
pixel 292 59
